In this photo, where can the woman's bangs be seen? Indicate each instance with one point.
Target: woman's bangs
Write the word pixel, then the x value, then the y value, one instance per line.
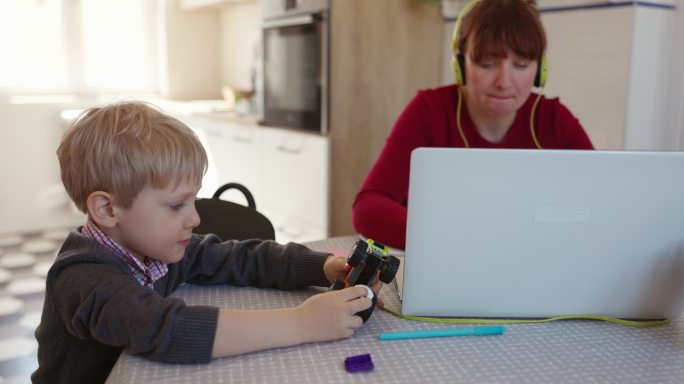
pixel 498 42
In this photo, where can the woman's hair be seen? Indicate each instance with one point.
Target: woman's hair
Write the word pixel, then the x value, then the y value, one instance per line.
pixel 124 147
pixel 495 27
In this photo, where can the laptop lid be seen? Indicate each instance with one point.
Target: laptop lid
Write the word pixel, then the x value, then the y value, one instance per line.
pixel 529 233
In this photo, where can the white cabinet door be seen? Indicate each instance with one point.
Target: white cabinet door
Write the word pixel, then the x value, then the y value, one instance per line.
pixel 295 175
pixel 289 229
pixel 234 149
pixel 209 184
pixel 286 171
pixel 187 5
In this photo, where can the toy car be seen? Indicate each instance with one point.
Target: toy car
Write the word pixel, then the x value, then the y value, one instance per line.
pixel 367 260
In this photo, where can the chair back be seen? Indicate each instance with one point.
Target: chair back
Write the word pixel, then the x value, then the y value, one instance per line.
pixel 232 221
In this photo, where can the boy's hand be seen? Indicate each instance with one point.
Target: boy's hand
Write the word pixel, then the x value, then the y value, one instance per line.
pixel 336 268
pixel 322 317
pixel 330 315
pixel 376 286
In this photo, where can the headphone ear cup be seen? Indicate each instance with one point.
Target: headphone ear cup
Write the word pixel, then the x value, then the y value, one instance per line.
pixel 458 66
pixel 542 72
pixel 458 60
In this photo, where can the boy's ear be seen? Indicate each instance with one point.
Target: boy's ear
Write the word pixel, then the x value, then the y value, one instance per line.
pixel 101 209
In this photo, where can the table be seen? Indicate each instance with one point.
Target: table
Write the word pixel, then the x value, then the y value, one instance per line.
pixel 575 351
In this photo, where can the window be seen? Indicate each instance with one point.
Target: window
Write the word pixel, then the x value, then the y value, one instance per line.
pixel 78 46
pixel 32 42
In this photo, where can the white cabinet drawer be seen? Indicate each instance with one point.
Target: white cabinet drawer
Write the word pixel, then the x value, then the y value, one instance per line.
pixel 295 175
pixel 209 183
pixel 286 171
pixel 235 153
pixel 289 229
pixel 188 5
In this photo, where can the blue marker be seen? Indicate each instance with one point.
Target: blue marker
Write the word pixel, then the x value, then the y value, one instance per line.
pixel 475 331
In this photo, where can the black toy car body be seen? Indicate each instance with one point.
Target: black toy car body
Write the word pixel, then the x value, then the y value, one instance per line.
pixel 367 261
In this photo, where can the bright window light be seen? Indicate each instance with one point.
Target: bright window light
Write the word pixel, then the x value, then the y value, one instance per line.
pixel 78 46
pixel 114 47
pixel 32 44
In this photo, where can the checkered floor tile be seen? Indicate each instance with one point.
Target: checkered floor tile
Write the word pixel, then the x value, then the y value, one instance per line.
pixel 24 261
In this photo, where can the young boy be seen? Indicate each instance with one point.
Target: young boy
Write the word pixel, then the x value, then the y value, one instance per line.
pixel 136 173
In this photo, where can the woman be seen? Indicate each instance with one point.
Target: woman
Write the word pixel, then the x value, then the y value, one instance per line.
pixel 498 58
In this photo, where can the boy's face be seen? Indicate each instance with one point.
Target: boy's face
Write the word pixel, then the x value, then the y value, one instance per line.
pixel 159 223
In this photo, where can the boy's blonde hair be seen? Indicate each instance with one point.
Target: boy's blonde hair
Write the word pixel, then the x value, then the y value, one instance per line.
pixel 124 147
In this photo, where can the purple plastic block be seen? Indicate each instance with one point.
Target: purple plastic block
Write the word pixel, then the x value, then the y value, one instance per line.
pixel 358 363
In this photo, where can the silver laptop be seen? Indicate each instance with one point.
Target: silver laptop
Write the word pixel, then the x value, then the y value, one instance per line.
pixel 528 233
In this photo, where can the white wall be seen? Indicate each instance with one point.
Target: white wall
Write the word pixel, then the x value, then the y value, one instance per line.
pixel 209 47
pixel 619 70
pixel 676 106
pixel 566 3
pixel 589 53
pixel 191 54
pixel 32 196
pixel 651 121
pixel 240 37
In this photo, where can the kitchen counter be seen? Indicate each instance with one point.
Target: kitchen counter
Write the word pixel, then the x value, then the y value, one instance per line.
pixel 211 109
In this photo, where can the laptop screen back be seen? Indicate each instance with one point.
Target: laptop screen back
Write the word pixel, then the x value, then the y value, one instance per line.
pixel 528 233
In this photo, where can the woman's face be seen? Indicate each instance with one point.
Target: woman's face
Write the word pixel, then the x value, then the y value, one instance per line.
pixel 497 87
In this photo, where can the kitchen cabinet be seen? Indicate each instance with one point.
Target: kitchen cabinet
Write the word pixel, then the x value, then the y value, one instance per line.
pixel 188 5
pixel 234 150
pixel 295 183
pixel 287 171
pixel 290 229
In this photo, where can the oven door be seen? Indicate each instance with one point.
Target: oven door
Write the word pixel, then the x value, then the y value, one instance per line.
pixel 295 72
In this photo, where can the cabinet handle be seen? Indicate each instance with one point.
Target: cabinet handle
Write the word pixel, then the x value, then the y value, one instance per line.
pixel 241 139
pixel 212 133
pixel 297 233
pixel 285 149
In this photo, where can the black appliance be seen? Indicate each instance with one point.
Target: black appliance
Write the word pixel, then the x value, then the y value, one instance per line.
pixel 294 76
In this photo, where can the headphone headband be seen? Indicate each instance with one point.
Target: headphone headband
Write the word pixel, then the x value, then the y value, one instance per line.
pixel 457 28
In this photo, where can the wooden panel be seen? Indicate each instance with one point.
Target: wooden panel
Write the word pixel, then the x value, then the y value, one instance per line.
pixel 382 52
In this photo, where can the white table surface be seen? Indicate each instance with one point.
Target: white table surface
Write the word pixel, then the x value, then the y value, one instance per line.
pixel 573 351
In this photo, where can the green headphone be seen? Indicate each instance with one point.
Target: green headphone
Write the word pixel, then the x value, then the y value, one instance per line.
pixel 458 59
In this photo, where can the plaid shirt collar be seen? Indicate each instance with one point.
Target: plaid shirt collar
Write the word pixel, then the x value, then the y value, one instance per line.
pixel 145 272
